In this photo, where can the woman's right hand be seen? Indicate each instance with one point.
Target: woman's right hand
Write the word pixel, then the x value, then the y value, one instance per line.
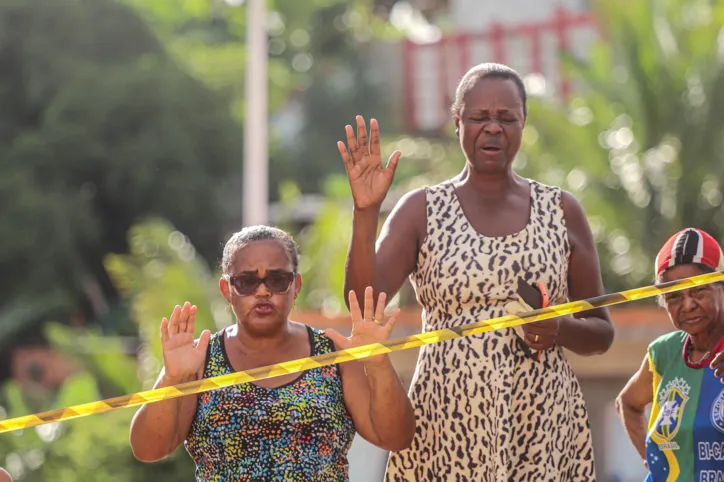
pixel 368 180
pixel 183 358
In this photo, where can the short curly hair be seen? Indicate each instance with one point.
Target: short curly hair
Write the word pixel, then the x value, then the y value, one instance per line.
pixel 488 70
pixel 259 233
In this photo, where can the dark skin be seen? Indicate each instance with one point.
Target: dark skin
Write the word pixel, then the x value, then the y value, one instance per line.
pixel 264 335
pixel 495 200
pixel 700 313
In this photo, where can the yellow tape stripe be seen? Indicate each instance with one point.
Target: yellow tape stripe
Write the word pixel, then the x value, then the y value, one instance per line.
pixel 359 353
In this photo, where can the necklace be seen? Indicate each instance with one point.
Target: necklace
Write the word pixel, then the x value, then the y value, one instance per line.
pixel 689 352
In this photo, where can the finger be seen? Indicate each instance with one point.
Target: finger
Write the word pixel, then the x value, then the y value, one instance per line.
pixel 173 322
pixel 191 323
pixel 338 339
pixel 390 325
pixel 203 343
pixel 183 319
pixel 719 371
pixel 164 330
pixel 352 143
pixel 717 360
pixel 392 162
pixel 369 304
pixel 354 310
pixel 362 135
pixel 348 162
pixel 380 309
pixel 374 138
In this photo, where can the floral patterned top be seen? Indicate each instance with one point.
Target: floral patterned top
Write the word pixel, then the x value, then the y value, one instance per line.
pixel 300 431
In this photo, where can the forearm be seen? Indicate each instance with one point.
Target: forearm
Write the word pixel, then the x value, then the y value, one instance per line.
pixel 634 422
pixel 585 336
pixel 360 269
pixel 154 429
pixel 390 410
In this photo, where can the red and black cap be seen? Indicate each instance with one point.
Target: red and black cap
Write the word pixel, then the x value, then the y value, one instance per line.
pixel 690 246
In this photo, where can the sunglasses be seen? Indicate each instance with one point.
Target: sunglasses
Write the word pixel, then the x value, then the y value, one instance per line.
pixel 277 282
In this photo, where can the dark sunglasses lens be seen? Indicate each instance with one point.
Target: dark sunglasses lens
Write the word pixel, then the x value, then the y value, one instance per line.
pixel 279 282
pixel 245 285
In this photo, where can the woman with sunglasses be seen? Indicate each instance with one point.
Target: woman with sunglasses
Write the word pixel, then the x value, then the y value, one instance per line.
pixel 291 427
pixel 679 376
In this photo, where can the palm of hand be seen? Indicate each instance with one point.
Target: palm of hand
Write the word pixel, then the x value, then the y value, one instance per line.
pixel 366 332
pixel 182 357
pixel 368 179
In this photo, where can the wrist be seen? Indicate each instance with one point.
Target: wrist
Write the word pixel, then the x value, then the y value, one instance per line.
pixel 177 380
pixel 373 365
pixel 367 212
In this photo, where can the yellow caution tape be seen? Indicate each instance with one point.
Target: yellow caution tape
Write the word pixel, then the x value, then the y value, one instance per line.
pixel 359 353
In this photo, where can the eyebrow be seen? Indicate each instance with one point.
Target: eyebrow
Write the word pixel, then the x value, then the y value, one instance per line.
pixel 269 271
pixel 501 111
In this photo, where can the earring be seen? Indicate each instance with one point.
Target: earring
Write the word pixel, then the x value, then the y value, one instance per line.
pixel 457 131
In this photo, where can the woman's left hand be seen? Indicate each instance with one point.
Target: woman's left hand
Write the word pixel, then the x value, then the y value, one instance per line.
pixel 541 335
pixel 717 364
pixel 372 327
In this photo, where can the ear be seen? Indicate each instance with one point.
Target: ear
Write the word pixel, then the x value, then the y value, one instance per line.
pixel 456 118
pixel 224 288
pixel 297 285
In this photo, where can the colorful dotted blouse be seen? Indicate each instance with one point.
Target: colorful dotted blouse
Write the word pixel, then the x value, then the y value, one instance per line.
pixel 300 431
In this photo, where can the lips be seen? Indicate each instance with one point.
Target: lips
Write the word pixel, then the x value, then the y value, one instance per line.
pixel 263 308
pixel 491 148
pixel 692 321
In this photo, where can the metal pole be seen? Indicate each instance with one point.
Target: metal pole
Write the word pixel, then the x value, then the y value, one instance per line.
pixel 256 156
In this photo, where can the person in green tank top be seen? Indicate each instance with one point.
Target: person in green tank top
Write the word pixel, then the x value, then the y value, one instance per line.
pixel 683 439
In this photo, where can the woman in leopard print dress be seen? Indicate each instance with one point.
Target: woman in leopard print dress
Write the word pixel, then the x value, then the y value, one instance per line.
pixel 486 410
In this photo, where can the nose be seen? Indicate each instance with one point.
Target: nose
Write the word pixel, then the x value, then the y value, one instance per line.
pixel 492 127
pixel 262 291
pixel 688 303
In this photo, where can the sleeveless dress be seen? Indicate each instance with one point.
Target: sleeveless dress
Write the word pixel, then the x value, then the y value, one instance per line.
pixel 485 410
pixel 685 439
pixel 300 431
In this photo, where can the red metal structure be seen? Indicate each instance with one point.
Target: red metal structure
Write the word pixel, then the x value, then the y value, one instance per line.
pixel 432 71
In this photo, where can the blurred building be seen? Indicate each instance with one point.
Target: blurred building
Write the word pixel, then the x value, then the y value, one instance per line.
pixel 527 35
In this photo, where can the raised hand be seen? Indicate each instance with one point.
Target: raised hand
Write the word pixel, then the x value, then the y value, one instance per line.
pixel 367 329
pixel 368 179
pixel 183 358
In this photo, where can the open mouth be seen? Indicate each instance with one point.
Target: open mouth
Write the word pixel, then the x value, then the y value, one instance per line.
pixel 263 308
pixel 492 149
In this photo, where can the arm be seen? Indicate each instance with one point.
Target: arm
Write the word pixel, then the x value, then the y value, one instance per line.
pixel 386 267
pixel 157 429
pixel 379 406
pixel 632 402
pixel 590 332
pixel 373 393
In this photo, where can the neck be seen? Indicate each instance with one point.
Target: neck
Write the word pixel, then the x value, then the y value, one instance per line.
pixel 488 184
pixel 703 342
pixel 252 342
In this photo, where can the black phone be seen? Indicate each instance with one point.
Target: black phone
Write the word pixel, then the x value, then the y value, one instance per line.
pixel 530 294
pixel 534 298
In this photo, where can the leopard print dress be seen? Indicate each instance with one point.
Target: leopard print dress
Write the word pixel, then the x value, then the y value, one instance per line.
pixel 485 411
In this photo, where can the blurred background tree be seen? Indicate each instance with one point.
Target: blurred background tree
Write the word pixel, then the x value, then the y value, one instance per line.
pixel 121 155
